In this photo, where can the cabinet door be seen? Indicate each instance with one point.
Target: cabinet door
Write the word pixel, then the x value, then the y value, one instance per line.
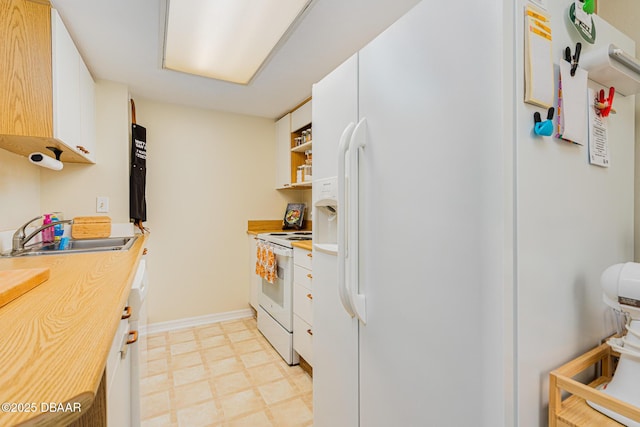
pixel 87 111
pixel 303 339
pixel 73 93
pixel 66 87
pixel 25 74
pixel 119 379
pixel 301 117
pixel 283 152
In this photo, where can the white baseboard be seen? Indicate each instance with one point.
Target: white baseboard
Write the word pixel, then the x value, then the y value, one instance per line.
pixel 190 322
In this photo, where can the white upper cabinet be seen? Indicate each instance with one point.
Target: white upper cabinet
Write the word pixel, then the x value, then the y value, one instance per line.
pixel 73 93
pixel 87 112
pixel 301 117
pixel 283 152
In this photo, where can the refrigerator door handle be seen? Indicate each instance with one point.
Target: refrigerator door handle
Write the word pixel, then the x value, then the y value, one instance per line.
pixel 356 145
pixel 343 292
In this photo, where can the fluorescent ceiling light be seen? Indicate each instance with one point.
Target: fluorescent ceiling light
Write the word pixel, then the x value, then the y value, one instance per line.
pixel 226 39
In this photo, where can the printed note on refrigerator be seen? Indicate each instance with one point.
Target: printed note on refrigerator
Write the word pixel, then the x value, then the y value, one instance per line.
pixel 598 142
pixel 538 58
pixel 572 104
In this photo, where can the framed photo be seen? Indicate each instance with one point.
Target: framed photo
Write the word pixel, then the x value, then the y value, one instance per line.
pixel 294 216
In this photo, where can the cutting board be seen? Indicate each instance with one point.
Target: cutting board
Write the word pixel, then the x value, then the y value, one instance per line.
pixel 91 227
pixel 14 283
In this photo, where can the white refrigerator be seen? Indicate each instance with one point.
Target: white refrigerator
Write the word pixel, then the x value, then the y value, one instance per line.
pixel 406 126
pixel 468 250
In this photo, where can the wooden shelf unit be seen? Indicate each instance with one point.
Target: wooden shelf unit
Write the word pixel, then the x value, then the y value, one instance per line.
pixel 303 147
pixel 573 411
pixel 297 155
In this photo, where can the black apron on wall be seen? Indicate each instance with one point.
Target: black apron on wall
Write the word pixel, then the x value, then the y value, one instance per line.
pixel 138 176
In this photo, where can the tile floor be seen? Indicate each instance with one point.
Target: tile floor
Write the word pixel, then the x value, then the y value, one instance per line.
pixel 221 375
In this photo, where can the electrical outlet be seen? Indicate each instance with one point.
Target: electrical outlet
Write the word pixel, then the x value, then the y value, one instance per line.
pixel 102 204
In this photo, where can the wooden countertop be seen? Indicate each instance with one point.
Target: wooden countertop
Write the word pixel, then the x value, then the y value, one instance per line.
pixel 255 227
pixel 56 337
pixel 304 244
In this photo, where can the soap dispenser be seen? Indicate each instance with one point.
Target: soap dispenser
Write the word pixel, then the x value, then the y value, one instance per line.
pixel 47 233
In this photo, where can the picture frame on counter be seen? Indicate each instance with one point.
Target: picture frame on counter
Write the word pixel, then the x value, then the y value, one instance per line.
pixel 294 216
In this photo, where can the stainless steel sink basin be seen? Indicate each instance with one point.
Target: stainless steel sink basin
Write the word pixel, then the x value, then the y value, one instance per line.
pixel 79 246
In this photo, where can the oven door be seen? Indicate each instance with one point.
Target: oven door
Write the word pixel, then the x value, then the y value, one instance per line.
pixel 276 298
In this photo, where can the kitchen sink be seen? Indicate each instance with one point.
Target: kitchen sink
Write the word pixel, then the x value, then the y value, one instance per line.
pixel 81 245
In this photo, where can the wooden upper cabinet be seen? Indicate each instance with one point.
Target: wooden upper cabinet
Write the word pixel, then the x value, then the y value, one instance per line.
pixel 25 76
pixel 46 92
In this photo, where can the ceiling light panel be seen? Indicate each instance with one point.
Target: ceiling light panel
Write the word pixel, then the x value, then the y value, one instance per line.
pixel 226 39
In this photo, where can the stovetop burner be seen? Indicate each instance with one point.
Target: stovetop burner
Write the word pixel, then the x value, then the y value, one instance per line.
pixel 285 238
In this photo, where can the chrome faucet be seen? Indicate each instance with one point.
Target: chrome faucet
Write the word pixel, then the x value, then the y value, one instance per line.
pixel 19 239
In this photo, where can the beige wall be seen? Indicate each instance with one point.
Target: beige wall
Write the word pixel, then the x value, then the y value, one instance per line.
pixel 624 14
pixel 208 173
pixel 19 190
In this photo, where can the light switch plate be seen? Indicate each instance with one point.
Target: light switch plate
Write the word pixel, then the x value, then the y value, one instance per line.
pixel 102 204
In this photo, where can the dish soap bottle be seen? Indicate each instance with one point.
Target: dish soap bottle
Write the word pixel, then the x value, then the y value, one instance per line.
pixel 58 229
pixel 47 233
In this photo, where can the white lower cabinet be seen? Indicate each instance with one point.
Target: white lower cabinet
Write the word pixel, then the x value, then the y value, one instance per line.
pixel 303 304
pixel 303 339
pixel 119 379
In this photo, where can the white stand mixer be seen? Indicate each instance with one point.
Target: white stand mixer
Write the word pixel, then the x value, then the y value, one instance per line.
pixel 621 286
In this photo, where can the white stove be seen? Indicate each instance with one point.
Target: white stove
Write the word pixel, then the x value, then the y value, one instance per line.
pixel 275 310
pixel 285 238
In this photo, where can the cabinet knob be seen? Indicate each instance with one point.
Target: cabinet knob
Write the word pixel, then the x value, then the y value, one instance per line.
pixel 126 313
pixel 310 255
pixel 310 296
pixel 133 337
pixel 310 332
pixel 145 251
pixel 310 276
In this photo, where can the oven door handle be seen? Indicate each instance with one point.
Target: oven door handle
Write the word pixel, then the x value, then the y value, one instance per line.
pixel 343 244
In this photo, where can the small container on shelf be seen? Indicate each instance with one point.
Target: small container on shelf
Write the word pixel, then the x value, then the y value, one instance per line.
pixel 307 176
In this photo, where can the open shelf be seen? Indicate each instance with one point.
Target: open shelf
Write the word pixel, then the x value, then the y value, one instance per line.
pixel 306 184
pixel 302 147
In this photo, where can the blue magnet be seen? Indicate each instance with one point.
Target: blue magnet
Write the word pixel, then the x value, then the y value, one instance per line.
pixel 543 128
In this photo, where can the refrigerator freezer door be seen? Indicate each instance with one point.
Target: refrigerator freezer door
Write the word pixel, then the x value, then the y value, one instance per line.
pixel 335 333
pixel 338 106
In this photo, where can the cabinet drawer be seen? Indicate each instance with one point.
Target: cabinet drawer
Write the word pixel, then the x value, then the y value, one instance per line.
pixel 302 257
pixel 303 339
pixel 302 276
pixel 303 303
